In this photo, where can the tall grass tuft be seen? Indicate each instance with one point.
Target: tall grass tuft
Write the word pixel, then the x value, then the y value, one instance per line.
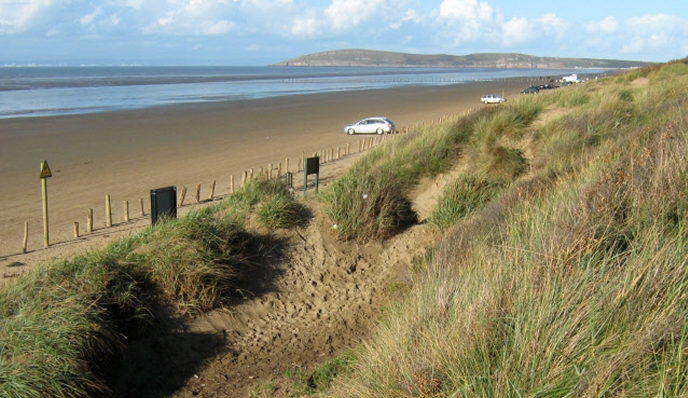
pixel 368 207
pixel 466 194
pixel 195 261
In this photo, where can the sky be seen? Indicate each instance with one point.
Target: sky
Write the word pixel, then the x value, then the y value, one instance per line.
pixel 261 32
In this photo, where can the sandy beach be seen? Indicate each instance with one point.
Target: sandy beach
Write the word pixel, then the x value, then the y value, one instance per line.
pixel 126 154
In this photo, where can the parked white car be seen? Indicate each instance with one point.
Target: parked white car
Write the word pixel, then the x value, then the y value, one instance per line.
pixel 377 125
pixel 492 99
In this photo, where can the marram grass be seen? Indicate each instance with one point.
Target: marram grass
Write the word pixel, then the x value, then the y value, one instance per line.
pixel 571 283
pixel 62 326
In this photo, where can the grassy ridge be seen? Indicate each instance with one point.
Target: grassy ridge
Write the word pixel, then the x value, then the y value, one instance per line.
pixel 572 279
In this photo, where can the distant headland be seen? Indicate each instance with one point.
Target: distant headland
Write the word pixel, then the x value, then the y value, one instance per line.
pixel 371 58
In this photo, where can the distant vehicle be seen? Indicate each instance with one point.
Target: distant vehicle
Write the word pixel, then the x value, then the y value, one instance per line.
pixel 531 90
pixel 573 78
pixel 547 87
pixel 377 125
pixel 492 99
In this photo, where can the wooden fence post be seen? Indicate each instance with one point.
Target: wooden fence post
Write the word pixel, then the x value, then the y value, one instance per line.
pixel 182 196
pixel 212 190
pixel 126 211
pixel 143 210
pixel 76 229
pixel 25 243
pixel 108 211
pixel 198 193
pixel 89 221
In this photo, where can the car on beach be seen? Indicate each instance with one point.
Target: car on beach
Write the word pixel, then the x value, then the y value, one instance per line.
pixel 530 90
pixel 547 87
pixel 369 125
pixel 492 99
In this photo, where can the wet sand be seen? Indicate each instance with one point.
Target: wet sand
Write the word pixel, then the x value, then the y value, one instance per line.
pixel 126 154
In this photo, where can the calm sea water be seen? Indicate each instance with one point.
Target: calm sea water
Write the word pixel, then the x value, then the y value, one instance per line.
pixel 45 91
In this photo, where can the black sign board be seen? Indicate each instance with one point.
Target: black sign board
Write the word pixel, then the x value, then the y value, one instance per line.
pixel 312 166
pixel 163 203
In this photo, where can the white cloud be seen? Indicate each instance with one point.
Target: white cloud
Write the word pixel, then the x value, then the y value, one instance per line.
pixel 409 16
pixel 306 26
pixel 89 18
pixel 468 20
pixel 217 28
pixel 605 26
pixel 135 4
pixel 467 10
pixel 551 24
pixel 264 5
pixel 522 30
pixel 347 14
pixel 342 16
pixel 655 23
pixel 517 30
pixel 17 16
pixel 193 17
pixel 652 33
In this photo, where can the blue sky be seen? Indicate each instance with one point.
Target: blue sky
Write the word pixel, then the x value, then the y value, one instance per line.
pixel 260 32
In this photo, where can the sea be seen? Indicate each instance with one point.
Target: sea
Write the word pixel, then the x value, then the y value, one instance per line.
pixel 39 91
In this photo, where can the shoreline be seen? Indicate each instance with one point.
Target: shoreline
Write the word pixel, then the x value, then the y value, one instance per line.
pixel 125 154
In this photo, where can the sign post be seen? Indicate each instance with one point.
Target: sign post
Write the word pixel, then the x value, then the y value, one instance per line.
pixel 312 166
pixel 163 204
pixel 45 174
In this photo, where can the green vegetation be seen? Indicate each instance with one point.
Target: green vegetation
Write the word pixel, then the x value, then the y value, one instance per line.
pixel 463 196
pixel 569 279
pixel 319 379
pixel 61 326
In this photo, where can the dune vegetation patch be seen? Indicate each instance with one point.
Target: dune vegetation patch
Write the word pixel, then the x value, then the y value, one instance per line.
pixel 570 281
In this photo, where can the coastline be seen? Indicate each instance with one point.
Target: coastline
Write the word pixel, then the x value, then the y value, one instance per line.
pixel 125 154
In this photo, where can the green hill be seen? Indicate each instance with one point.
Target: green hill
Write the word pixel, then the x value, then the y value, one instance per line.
pixel 356 57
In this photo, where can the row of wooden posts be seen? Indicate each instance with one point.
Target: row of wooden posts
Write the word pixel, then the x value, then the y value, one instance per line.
pixel 270 172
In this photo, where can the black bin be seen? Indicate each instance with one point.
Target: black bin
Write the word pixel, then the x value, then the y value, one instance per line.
pixel 163 203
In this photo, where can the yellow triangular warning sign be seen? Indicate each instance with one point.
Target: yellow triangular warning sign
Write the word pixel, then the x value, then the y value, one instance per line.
pixel 45 170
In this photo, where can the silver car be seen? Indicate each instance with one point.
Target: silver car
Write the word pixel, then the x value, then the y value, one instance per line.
pixel 377 125
pixel 492 99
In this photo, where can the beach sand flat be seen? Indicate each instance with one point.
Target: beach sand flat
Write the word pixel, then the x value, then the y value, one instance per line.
pixel 126 154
